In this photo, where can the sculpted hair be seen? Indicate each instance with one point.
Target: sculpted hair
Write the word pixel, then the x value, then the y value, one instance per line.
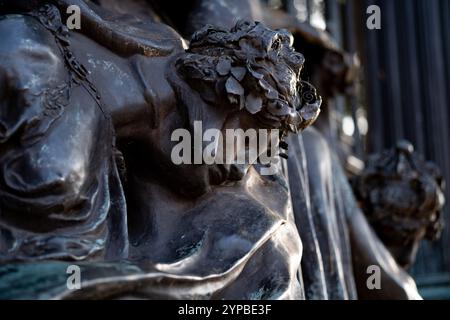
pixel 251 67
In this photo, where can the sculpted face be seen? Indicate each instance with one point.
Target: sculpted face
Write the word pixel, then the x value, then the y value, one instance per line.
pixel 402 196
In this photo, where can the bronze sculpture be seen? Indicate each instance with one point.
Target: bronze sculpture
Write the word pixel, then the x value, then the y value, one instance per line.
pixel 86 157
pixel 402 196
pixel 155 101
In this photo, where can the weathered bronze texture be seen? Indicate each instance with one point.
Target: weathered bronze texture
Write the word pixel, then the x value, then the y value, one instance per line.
pixel 188 231
pixel 86 175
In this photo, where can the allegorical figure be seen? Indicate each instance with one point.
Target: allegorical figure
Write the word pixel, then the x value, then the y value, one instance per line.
pixel 137 224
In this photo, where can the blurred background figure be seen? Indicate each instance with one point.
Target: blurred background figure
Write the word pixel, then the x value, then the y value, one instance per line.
pixel 402 92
